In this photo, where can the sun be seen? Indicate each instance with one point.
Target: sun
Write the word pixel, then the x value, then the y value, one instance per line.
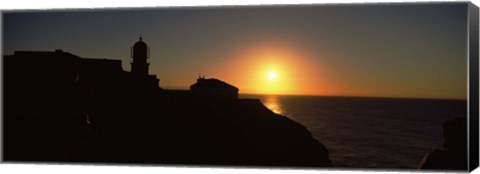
pixel 272 75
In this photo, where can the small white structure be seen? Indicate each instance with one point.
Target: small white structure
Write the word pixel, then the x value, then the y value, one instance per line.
pixel 214 88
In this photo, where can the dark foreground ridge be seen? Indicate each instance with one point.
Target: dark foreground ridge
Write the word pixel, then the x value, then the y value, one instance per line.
pixel 453 154
pixel 59 107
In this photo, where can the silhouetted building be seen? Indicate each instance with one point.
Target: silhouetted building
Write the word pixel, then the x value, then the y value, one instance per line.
pixel 58 71
pixel 139 70
pixel 58 67
pixel 214 88
pixel 140 54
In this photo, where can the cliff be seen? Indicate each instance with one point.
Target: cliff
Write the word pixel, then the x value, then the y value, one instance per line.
pixel 241 132
pixel 68 112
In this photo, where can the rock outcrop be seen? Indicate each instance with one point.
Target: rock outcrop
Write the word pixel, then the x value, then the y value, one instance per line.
pixel 453 155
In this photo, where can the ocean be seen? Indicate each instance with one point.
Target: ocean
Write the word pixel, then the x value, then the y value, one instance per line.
pixel 361 132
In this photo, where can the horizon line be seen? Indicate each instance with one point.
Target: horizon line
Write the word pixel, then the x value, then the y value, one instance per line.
pixel 352 96
pixel 324 95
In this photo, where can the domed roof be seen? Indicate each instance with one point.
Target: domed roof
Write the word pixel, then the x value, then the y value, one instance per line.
pixel 140 44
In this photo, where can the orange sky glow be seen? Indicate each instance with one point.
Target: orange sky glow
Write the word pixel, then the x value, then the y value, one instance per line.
pixel 300 73
pixel 297 73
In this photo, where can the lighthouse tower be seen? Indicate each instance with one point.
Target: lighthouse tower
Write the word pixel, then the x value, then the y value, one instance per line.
pixel 140 54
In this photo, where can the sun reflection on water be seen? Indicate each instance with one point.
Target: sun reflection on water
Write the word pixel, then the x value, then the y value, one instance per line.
pixel 272 103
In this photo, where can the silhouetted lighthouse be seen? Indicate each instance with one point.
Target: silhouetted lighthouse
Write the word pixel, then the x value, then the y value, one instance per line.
pixel 140 53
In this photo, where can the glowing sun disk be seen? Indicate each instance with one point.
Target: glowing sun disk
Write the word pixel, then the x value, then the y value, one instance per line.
pixel 272 75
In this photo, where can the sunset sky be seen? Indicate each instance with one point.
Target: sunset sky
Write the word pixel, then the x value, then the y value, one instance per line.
pixel 416 50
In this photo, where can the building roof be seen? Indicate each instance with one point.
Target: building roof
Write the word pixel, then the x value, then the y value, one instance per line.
pixel 212 83
pixel 51 55
pixel 62 59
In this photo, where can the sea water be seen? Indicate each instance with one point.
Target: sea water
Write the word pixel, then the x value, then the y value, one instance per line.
pixel 361 132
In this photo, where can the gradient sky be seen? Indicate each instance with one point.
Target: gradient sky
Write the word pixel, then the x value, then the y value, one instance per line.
pixel 416 50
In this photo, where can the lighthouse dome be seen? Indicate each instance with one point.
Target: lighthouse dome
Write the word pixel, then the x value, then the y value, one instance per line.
pixel 140 44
